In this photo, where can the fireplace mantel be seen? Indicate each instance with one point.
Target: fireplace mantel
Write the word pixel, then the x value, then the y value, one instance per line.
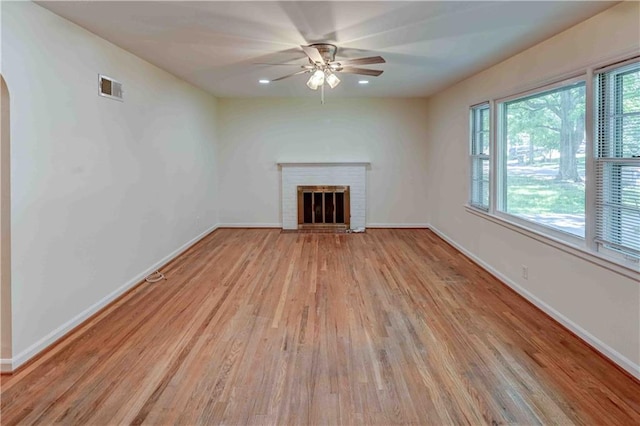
pixel 323 163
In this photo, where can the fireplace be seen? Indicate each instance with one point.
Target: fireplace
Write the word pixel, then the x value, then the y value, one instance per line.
pixel 323 206
pixel 350 175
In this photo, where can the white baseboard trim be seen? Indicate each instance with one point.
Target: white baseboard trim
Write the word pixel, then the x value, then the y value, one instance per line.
pixel 250 225
pixel 279 225
pixel 6 365
pixel 622 361
pixel 61 331
pixel 397 225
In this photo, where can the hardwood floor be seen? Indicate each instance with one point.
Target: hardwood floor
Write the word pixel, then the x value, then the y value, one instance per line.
pixel 263 327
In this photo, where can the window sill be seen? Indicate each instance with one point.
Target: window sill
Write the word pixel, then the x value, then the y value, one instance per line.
pixel 628 269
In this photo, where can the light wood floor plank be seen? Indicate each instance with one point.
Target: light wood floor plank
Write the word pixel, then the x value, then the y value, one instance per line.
pixel 262 327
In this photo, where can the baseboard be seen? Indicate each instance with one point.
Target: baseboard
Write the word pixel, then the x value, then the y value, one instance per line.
pixel 607 351
pixel 250 225
pixel 6 365
pixel 279 225
pixel 65 328
pixel 397 225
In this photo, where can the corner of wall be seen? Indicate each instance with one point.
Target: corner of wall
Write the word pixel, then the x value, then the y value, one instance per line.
pixel 6 365
pixel 132 180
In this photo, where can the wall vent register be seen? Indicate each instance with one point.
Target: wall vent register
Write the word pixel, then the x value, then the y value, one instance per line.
pixel 109 88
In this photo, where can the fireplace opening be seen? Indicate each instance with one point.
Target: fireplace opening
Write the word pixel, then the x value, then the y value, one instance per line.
pixel 323 207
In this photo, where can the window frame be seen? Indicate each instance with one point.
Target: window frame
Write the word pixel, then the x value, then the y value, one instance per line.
pixel 585 248
pixel 610 143
pixel 502 154
pixel 475 157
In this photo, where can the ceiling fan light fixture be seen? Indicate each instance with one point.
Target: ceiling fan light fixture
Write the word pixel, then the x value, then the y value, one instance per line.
pixel 311 84
pixel 316 80
pixel 332 79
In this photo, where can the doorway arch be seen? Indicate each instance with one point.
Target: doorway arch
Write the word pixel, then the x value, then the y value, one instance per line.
pixel 5 231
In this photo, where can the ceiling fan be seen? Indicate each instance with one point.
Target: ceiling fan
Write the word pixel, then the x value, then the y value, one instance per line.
pixel 323 66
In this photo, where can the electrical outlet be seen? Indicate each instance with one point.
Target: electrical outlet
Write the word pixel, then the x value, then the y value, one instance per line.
pixel 525 272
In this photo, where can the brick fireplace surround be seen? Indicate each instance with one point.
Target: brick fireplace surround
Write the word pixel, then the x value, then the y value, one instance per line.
pixel 352 174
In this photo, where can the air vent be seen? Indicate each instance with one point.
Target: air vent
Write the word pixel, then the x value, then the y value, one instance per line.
pixel 109 88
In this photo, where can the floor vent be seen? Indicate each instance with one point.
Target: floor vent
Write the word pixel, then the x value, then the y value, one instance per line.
pixel 110 88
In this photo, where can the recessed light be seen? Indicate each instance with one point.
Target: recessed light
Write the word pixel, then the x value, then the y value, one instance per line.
pixel 363 82
pixel 263 81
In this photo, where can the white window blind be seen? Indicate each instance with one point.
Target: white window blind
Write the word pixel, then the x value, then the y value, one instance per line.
pixel 618 159
pixel 480 143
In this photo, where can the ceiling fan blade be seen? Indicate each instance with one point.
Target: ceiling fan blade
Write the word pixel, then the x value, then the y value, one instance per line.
pixel 290 75
pixel 363 71
pixel 361 61
pixel 313 54
pixel 286 65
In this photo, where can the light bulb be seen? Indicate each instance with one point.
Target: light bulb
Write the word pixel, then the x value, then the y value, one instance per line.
pixel 316 80
pixel 332 79
pixel 311 84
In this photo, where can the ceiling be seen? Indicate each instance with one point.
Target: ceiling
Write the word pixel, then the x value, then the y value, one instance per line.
pixel 428 45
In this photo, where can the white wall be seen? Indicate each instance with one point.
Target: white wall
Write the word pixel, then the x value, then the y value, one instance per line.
pixel 5 230
pixel 257 133
pixel 101 190
pixel 599 303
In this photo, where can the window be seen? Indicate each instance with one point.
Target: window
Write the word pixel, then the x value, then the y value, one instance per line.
pixel 564 164
pixel 480 143
pixel 617 168
pixel 542 166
